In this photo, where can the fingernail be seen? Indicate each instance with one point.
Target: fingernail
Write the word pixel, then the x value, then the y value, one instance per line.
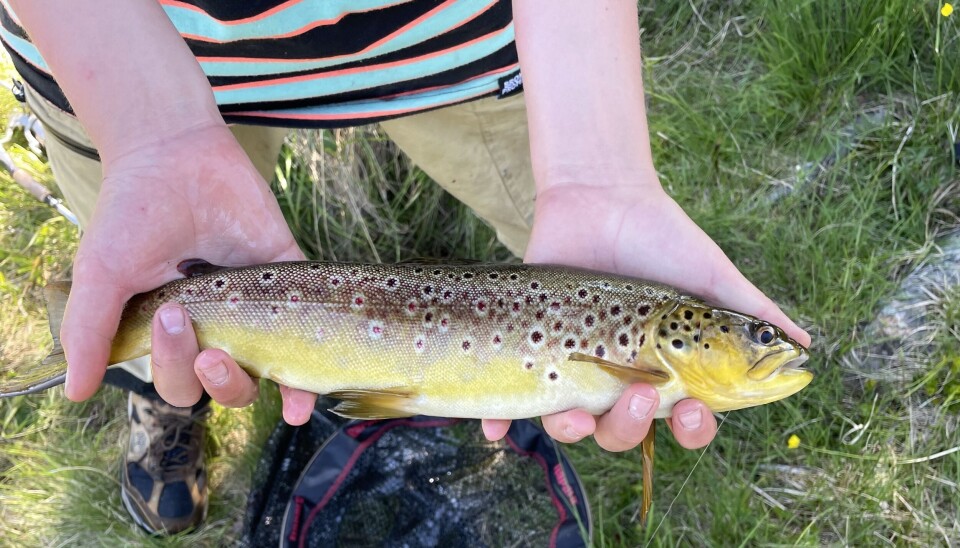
pixel 640 407
pixel 691 420
pixel 215 372
pixel 171 318
pixel 572 434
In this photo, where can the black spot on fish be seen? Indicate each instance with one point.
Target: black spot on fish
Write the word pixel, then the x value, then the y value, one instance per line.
pixel 707 315
pixel 514 277
pixel 468 275
pixel 615 310
pixel 688 315
pixel 724 328
pixel 674 326
pixel 643 339
pixel 706 346
pixel 643 310
pixel 624 339
pixel 553 375
pixel 663 332
pixel 418 270
pixel 696 338
pixel 600 351
pixel 570 344
pixel 493 275
pixel 677 343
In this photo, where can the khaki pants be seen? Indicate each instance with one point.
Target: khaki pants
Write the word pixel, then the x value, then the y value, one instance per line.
pixel 478 151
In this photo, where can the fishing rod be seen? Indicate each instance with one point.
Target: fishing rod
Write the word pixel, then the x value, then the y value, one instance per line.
pixel 34 133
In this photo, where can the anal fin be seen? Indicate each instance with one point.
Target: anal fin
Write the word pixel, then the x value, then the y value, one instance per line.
pixel 646 449
pixel 629 374
pixel 388 403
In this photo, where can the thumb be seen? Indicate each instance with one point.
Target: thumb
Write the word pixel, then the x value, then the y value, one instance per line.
pixel 89 325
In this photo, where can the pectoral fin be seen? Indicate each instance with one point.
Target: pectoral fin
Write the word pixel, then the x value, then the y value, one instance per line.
pixel 646 448
pixel 197 267
pixel 628 374
pixel 373 404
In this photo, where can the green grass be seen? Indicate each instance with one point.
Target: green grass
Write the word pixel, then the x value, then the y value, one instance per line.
pixel 812 140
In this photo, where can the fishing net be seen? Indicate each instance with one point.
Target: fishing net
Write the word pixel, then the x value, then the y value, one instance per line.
pixel 416 482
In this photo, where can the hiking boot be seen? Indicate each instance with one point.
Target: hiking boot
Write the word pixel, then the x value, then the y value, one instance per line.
pixel 164 484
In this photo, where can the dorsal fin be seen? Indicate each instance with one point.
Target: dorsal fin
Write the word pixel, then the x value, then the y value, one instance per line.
pixel 197 267
pixel 629 374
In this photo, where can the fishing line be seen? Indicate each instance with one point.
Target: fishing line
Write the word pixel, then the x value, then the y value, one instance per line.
pixel 684 484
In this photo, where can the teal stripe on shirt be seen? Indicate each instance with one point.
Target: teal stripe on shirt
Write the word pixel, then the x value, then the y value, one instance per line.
pixel 25 49
pixel 286 21
pixel 446 20
pixel 402 104
pixel 323 85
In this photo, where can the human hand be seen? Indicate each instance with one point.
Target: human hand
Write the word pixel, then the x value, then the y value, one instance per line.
pixel 161 203
pixel 638 231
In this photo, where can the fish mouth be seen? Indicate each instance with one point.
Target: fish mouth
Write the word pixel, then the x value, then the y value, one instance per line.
pixel 789 367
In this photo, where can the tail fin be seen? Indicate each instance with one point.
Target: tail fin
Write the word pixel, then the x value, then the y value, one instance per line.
pixel 53 370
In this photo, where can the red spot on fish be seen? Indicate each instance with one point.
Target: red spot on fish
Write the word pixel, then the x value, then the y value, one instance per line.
pixel 528 364
pixel 516 306
pixel 234 300
pixel 539 314
pixel 557 326
pixel 615 310
pixel 553 375
pixel 589 320
pixel 596 299
pixel 555 307
pixel 627 320
pixel 294 299
pixel 582 293
pixel 465 345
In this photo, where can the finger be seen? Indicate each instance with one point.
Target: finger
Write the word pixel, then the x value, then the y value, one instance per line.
pixel 223 379
pixel 174 347
pixel 89 324
pixel 494 430
pixel 569 426
pixel 297 405
pixel 627 423
pixel 692 424
pixel 750 300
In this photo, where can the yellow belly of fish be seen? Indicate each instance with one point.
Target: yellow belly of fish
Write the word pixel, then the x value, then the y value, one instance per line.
pixel 449 383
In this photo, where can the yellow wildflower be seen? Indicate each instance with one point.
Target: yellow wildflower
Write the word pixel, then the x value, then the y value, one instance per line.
pixel 793 442
pixel 947 9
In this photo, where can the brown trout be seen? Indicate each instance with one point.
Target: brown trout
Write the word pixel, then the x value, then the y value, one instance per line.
pixel 473 341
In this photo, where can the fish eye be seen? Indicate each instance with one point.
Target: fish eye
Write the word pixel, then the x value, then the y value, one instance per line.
pixel 765 334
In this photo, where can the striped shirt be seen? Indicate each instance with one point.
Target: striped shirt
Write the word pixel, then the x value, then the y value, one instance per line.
pixel 326 63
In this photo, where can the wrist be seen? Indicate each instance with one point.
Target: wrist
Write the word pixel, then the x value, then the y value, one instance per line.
pixel 157 128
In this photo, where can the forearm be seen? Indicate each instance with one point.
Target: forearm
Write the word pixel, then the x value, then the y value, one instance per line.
pixel 128 74
pixel 581 75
